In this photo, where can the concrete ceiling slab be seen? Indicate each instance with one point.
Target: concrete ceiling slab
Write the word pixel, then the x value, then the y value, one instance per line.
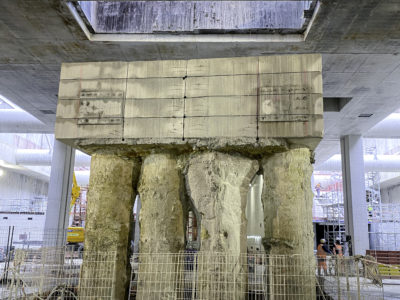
pixel 359 40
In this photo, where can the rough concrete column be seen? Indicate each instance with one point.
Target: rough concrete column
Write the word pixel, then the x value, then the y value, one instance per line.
pixel 287 200
pixel 108 223
pixel 218 184
pixel 161 227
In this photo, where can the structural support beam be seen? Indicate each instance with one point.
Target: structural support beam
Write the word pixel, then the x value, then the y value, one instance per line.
pixel 355 209
pixel 59 196
pixel 108 224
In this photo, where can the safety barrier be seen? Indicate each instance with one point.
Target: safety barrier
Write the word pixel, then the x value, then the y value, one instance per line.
pixel 59 273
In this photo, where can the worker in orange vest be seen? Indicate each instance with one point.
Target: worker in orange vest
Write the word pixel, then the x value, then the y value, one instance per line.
pixel 322 251
pixel 338 252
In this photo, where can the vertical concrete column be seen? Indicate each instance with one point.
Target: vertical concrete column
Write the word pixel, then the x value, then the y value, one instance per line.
pixel 59 195
pixel 287 200
pixel 109 212
pixel 218 185
pixel 355 209
pixel 162 233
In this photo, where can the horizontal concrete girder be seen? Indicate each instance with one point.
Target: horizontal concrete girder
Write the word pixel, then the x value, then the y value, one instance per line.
pixel 21 122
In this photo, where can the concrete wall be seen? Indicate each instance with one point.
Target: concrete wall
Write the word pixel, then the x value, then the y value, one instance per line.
pixel 17 186
pixel 211 102
pixel 24 221
pixel 391 195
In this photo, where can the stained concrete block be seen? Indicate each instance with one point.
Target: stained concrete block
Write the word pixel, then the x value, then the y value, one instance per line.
pixel 155 88
pixel 212 127
pixel 290 83
pixel 93 108
pixel 195 101
pixel 312 126
pixel 154 108
pixel 237 85
pixel 221 106
pixel 153 128
pixel 99 88
pixel 69 129
pixel 157 69
pixel 222 66
pixel 255 65
pixel 94 70
pixel 287 200
pixel 290 104
pixel 217 184
pixel 67 109
pixel 108 220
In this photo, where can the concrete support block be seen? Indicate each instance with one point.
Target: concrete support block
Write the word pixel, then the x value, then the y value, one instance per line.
pixel 152 128
pixel 161 226
pixel 221 106
pixel 108 221
pixel 115 69
pixel 155 88
pixel 221 127
pixel 237 99
pixel 159 68
pixel 287 200
pixel 154 108
pixel 217 185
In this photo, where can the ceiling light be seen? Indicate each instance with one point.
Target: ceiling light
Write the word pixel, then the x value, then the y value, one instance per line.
pixel 364 115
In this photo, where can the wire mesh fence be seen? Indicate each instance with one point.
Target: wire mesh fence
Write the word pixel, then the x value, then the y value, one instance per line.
pixel 65 273
pixel 56 273
pixel 351 278
pixel 226 276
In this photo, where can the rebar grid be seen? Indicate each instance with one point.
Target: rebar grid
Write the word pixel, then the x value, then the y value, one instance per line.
pixel 55 273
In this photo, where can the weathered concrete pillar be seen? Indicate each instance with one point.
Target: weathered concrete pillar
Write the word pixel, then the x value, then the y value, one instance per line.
pixel 287 200
pixel 108 221
pixel 161 227
pixel 218 184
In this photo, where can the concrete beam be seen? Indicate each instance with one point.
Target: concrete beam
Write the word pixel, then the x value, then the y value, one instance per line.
pixel 21 122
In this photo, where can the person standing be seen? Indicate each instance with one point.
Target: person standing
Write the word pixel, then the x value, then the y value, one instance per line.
pixel 338 252
pixel 322 252
pixel 338 248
